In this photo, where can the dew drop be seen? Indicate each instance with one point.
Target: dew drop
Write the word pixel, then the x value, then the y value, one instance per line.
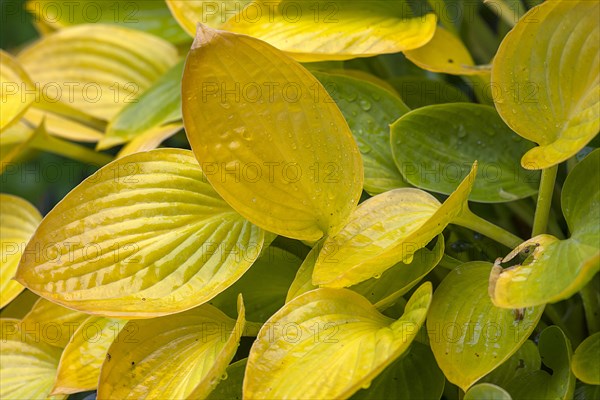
pixel 226 105
pixel 365 104
pixel 234 145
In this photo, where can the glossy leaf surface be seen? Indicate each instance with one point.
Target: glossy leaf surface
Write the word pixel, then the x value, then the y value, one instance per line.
pixel 15 85
pixel 435 146
pixel 469 336
pixel 283 156
pixel 548 72
pixel 354 343
pixel 144 236
pixel 586 365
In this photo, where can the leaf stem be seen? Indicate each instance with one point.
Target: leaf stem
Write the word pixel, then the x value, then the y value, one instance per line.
pixel 544 201
pixel 590 295
pixel 485 227
pixel 73 151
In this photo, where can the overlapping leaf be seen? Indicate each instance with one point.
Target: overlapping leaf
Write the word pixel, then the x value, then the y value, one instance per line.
pixel 18 220
pixel 328 343
pixel 318 30
pixel 80 362
pixel 555 351
pixel 487 391
pixel 586 365
pixel 435 146
pixel 268 136
pixel 415 376
pixel 447 54
pixel 144 236
pixel 159 105
pixel 177 356
pixel 384 230
pixel 369 110
pixel 96 69
pixel 53 324
pixel 16 94
pixel 145 15
pixel 28 365
pixel 547 75
pixel 525 360
pixel 469 336
pixel 556 269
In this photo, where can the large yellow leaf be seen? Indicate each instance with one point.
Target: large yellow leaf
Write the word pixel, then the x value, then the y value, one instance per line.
pixel 328 343
pixel 144 236
pixel 384 230
pixel 64 125
pixel 18 220
pixel 96 69
pixel 80 362
pixel 447 54
pixel 52 323
pixel 547 78
pixel 15 93
pixel 28 365
pixel 269 137
pixel 174 357
pixel 189 13
pixel 334 30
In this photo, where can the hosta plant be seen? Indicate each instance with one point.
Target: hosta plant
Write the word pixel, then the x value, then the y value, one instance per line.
pixel 301 200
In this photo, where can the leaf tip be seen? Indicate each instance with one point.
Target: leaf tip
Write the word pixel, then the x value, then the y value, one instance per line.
pixel 204 35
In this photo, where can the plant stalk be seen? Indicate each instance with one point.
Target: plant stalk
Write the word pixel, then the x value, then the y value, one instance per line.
pixel 485 227
pixel 544 201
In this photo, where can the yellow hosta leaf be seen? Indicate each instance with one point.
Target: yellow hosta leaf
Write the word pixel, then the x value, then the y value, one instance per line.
pixel 53 323
pixel 15 92
pixel 547 70
pixel 447 54
pixel 586 364
pixel 174 357
pixel 189 13
pixel 334 30
pixel 18 220
pixel 63 126
pixel 28 365
pixel 268 136
pixel 144 236
pixel 150 139
pixel 80 362
pixel 384 230
pixel 328 343
pixel 96 69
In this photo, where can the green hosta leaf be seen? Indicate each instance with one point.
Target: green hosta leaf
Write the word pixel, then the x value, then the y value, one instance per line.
pixel 159 105
pixel 328 343
pixel 288 164
pixel 384 230
pixel 586 364
pixel 144 236
pixel 587 392
pixel 445 53
pixel 369 110
pixel 555 350
pixel 418 91
pixel 96 69
pixel 18 220
pixel 28 365
pixel 415 376
pixel 435 146
pixel 302 282
pixel 553 40
pixel 557 269
pixel 264 286
pixel 177 356
pixel 469 336
pixel 15 85
pixel 80 362
pixel 318 30
pixel 230 388
pixel 486 391
pixel 525 360
pixel 144 15
pixel 53 324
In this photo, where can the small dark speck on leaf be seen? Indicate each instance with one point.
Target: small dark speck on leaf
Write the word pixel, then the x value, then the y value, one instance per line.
pixel 521 363
pixel 143 299
pixel 476 354
pixel 108 356
pixel 133 363
pixel 450 60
